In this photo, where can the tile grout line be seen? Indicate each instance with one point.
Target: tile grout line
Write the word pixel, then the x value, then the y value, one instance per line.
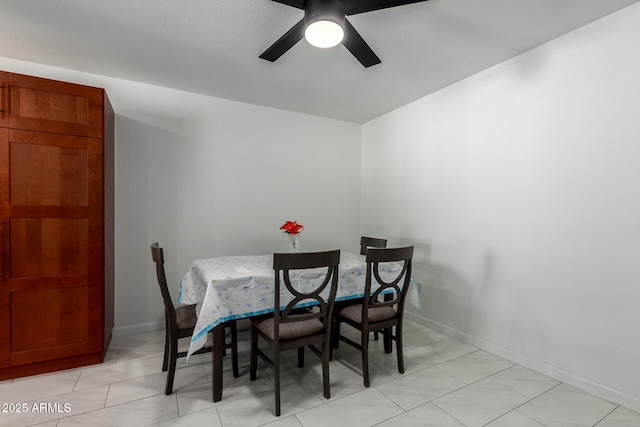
pixel 463 386
pixel 606 415
pixel 524 403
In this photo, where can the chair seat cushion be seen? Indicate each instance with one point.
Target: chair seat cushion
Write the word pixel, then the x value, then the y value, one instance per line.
pixel 375 314
pixel 288 330
pixel 186 316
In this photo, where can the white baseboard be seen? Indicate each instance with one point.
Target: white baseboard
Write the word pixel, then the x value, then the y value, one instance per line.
pixel 574 380
pixel 137 329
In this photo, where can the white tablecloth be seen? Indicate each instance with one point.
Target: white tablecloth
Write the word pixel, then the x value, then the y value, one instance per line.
pixel 234 287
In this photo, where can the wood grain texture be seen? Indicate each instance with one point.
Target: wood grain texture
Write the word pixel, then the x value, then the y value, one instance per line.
pixel 23 370
pixel 56 107
pixel 48 174
pixel 46 319
pixel 49 247
pixel 52 200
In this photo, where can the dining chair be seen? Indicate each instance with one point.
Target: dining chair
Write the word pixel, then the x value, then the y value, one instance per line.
pixel 180 323
pixel 291 328
pixel 374 314
pixel 371 242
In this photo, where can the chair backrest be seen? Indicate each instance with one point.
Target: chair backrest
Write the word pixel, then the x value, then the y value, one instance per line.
pixel 158 257
pixel 371 242
pixel 399 285
pixel 284 264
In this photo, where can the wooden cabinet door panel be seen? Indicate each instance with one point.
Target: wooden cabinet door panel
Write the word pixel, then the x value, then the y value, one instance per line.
pixel 49 247
pixel 52 106
pixel 48 319
pixel 49 175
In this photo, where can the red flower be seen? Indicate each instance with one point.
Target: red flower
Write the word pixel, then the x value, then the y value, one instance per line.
pixel 291 227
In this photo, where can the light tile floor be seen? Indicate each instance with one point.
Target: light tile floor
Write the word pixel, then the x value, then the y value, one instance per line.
pixel 447 383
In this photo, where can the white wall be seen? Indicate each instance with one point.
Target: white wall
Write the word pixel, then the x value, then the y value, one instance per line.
pixel 209 177
pixel 520 187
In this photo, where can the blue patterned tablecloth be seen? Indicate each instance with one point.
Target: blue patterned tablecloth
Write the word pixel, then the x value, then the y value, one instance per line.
pixel 234 287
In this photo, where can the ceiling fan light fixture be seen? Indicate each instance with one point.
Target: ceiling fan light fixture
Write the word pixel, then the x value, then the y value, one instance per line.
pixel 324 33
pixel 324 22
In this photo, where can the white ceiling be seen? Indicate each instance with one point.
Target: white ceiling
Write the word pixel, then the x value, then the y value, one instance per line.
pixel 212 46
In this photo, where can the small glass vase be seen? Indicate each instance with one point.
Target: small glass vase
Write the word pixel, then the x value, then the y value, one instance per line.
pixel 294 242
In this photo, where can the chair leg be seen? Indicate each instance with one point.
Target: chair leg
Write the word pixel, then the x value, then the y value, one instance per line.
pixel 326 350
pixel 276 373
pixel 364 342
pixel 336 333
pixel 234 349
pixel 300 357
pixel 253 364
pixel 173 357
pixel 329 341
pixel 388 344
pixel 165 361
pixel 399 348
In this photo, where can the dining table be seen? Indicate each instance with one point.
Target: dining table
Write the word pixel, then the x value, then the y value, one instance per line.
pixel 235 287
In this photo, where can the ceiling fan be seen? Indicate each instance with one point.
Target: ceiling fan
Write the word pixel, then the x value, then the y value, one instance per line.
pixel 325 25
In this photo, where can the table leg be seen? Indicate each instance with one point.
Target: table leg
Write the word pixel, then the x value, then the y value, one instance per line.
pixel 216 361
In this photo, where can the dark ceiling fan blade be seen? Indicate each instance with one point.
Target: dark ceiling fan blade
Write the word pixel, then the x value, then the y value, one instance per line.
pixel 299 4
pixel 358 47
pixel 361 6
pixel 284 43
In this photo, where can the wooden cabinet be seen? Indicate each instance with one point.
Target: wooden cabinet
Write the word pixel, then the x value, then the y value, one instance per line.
pixel 56 225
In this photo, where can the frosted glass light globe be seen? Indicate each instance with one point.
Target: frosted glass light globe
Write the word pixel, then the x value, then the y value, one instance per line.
pixel 324 34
